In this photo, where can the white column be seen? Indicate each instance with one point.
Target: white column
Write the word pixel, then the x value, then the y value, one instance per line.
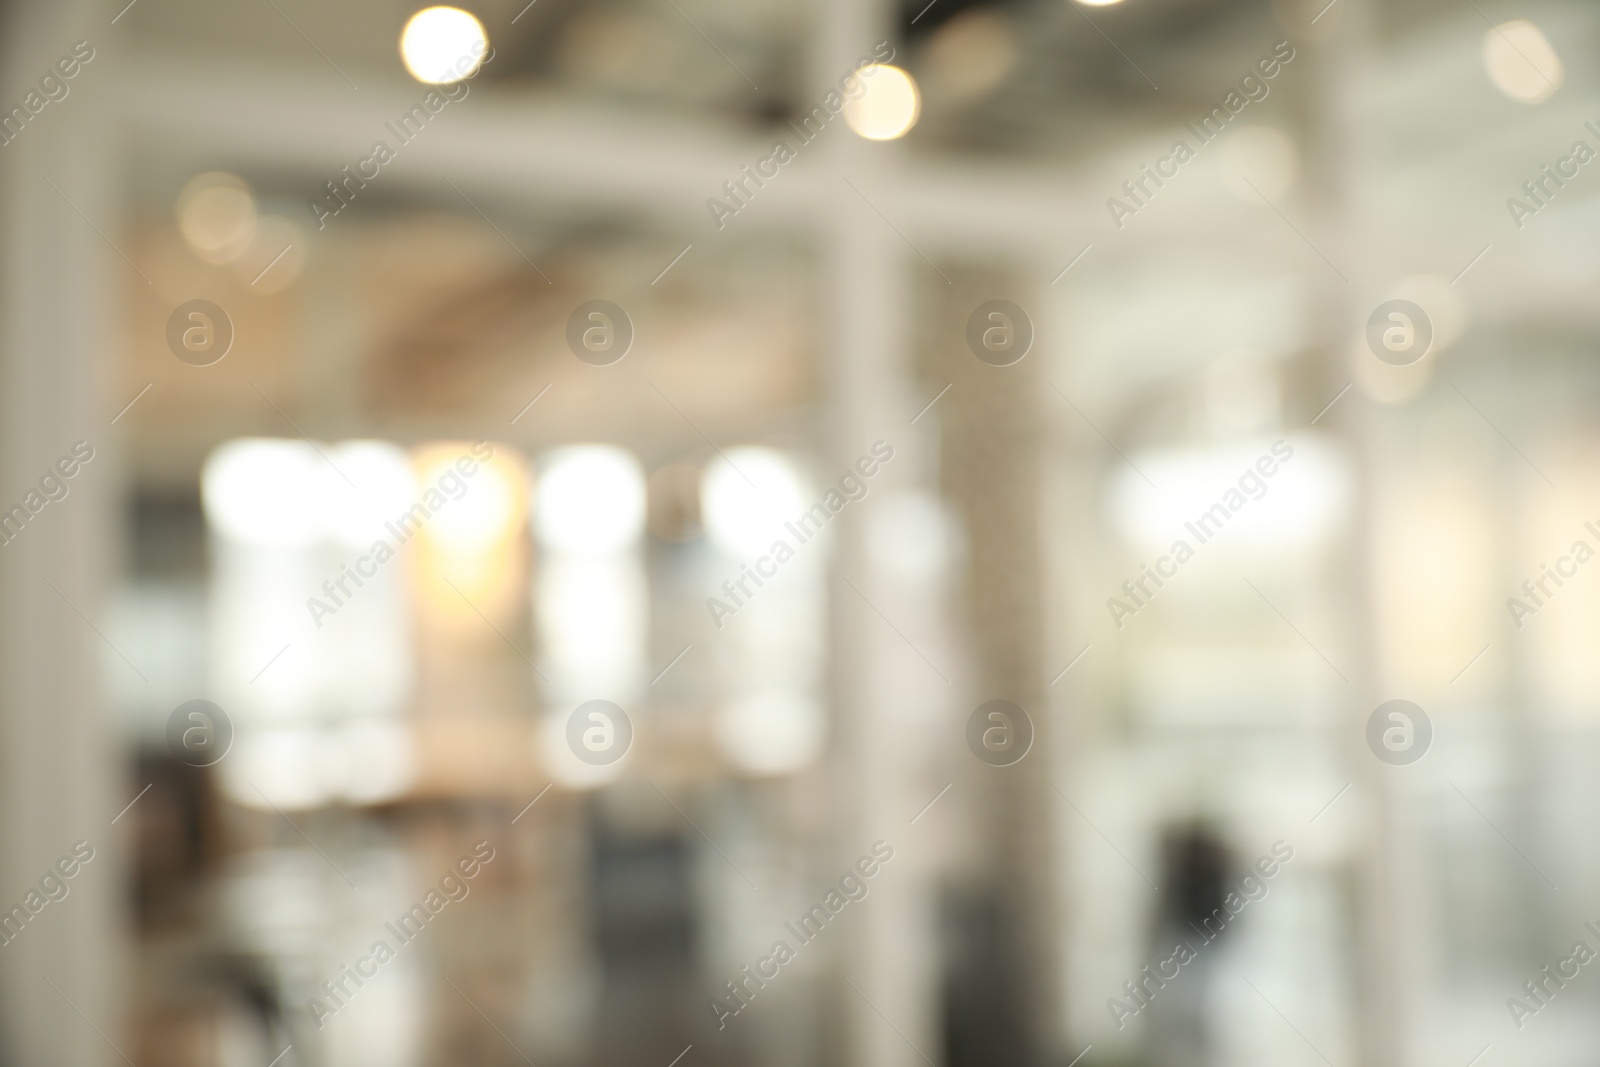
pixel 61 779
pixel 1386 949
pixel 867 269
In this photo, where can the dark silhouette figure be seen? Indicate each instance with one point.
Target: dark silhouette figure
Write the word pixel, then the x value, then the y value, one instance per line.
pixel 1195 865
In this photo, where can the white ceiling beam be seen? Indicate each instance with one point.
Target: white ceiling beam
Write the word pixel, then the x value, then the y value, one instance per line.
pixel 660 168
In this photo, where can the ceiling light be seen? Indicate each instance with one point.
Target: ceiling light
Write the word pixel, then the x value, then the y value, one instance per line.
pixel 441 45
pixel 889 107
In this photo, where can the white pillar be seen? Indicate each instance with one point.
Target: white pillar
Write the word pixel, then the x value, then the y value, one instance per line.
pixel 60 777
pixel 890 1015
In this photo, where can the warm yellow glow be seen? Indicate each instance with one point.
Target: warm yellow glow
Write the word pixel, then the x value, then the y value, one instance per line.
pixel 1099 3
pixel 1437 575
pixel 889 107
pixel 1521 62
pixel 470 558
pixel 217 214
pixel 481 503
pixel 441 45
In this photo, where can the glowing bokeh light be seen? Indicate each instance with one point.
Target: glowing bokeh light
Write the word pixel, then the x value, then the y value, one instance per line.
pixel 589 499
pixel 441 45
pixel 747 496
pixel 889 107
pixel 1521 61
pixel 217 214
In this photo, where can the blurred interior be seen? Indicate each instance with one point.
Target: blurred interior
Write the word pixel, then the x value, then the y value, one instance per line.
pixel 589 526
